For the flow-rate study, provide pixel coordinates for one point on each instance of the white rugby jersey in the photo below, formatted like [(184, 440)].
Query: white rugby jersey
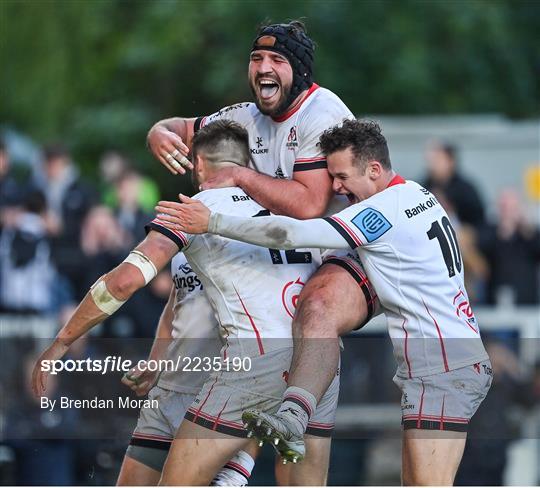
[(287, 144), (253, 290), (194, 330), (411, 256)]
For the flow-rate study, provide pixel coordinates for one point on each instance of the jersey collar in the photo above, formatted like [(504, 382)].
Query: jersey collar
[(396, 180), (286, 115)]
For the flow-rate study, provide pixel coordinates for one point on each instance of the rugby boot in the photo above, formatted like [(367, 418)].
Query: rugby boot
[(279, 430)]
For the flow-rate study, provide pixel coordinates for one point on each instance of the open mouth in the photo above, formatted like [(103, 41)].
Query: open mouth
[(268, 88), (352, 198)]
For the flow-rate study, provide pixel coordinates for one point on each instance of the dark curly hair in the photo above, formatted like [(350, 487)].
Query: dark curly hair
[(365, 139)]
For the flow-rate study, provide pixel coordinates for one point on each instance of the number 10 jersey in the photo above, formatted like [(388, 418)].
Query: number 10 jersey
[(411, 255)]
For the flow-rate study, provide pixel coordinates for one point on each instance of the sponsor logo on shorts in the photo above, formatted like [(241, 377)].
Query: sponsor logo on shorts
[(372, 223), (487, 369), (405, 405)]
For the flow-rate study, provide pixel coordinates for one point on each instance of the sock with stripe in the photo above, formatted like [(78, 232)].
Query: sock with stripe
[(298, 405), (236, 472)]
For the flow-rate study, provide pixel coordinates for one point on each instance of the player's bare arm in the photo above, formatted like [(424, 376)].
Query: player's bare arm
[(169, 140), (278, 232), (304, 197), (106, 296), (142, 381)]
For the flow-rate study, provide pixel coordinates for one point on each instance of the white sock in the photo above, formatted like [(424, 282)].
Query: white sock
[(298, 404), (236, 472)]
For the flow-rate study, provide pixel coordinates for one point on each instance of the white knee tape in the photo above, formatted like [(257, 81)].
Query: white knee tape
[(147, 267), (103, 298)]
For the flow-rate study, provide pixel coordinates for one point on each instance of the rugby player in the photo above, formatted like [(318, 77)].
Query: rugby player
[(288, 176), (253, 297), (409, 250), (187, 329)]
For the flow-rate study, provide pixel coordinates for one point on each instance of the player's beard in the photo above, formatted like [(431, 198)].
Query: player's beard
[(282, 105)]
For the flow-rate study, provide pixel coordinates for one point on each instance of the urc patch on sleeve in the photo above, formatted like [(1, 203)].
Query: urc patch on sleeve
[(372, 223)]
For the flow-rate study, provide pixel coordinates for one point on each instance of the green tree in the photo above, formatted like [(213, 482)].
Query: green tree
[(97, 74)]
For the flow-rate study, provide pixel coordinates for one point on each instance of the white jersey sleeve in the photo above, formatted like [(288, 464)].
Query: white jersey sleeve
[(410, 253), (278, 231)]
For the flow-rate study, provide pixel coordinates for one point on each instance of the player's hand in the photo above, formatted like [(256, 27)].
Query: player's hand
[(190, 216), (140, 381), (224, 178), (169, 149), (39, 377)]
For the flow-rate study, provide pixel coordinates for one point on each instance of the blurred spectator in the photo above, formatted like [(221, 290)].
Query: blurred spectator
[(129, 213), (68, 201), (512, 249), (11, 193), (113, 166), (38, 436), (443, 176), (103, 243), (26, 270), (493, 428), (145, 307)]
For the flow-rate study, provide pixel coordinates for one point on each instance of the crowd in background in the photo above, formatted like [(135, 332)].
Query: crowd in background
[(501, 257), (59, 234)]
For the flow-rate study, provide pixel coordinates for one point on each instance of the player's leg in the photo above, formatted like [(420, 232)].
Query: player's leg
[(431, 459), (135, 473), (212, 430), (238, 469), (313, 470), (197, 454), (152, 438), (333, 302), (336, 299), (436, 413)]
